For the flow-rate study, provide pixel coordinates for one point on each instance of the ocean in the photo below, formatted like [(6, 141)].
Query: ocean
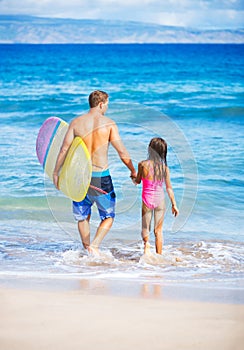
[(191, 95)]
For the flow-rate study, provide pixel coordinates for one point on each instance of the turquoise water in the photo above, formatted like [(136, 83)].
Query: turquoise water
[(192, 95)]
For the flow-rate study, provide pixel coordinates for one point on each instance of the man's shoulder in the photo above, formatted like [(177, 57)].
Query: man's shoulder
[(79, 118), (86, 119), (108, 120)]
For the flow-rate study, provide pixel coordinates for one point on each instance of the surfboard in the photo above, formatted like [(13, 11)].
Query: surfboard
[(75, 174)]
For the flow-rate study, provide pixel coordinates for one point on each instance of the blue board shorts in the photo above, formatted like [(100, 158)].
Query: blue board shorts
[(105, 202)]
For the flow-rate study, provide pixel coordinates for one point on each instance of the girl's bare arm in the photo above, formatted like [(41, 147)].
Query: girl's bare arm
[(169, 189)]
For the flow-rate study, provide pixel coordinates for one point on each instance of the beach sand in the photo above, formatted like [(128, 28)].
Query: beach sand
[(34, 319)]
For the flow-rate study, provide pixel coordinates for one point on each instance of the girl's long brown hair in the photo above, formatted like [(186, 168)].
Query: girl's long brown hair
[(157, 152)]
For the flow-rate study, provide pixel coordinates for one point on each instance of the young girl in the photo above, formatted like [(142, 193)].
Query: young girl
[(153, 172)]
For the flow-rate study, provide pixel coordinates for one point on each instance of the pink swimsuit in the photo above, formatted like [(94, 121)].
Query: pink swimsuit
[(152, 192)]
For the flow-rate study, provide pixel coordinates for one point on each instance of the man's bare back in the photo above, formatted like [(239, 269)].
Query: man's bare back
[(97, 131)]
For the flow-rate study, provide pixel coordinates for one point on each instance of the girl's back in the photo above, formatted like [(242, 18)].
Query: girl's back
[(152, 184)]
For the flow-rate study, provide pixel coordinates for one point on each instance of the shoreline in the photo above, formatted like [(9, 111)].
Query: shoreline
[(40, 319), (196, 291)]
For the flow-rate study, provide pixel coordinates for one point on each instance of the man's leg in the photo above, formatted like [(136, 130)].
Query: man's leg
[(84, 230), (106, 208), (102, 230), (82, 213)]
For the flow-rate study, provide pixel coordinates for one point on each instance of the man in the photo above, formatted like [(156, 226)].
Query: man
[(97, 131)]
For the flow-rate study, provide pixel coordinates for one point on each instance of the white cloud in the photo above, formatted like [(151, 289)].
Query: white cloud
[(200, 13)]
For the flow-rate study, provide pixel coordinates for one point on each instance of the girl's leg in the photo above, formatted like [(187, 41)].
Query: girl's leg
[(158, 228), (146, 224)]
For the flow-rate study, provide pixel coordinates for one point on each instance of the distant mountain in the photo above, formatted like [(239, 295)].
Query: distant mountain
[(39, 30)]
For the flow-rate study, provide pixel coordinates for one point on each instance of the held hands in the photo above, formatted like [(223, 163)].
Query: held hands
[(133, 179), (175, 210), (133, 176)]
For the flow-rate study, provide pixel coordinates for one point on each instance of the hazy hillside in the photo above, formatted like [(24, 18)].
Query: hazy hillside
[(27, 29)]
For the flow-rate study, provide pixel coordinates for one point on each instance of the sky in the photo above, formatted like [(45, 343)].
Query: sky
[(201, 14)]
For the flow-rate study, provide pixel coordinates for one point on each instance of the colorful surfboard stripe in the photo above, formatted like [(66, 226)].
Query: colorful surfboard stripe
[(50, 142)]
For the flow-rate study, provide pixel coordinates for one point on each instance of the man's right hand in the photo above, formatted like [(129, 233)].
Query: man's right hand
[(133, 176)]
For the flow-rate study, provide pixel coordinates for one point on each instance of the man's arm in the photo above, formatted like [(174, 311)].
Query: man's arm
[(69, 137), (120, 148)]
